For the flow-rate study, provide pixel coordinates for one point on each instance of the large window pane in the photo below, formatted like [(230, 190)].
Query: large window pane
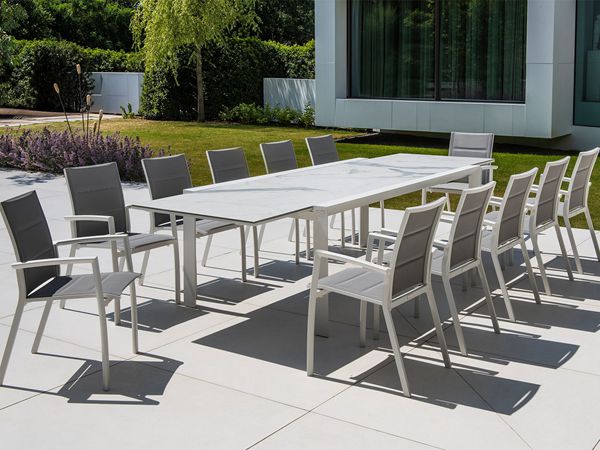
[(587, 64), (483, 49), (392, 48)]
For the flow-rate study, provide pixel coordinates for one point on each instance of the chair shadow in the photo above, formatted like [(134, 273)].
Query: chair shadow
[(31, 178), (589, 265), (156, 316), (286, 271), (434, 384), (225, 290), (132, 382)]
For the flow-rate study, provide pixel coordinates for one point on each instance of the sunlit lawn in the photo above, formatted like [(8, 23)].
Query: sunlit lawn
[(194, 139)]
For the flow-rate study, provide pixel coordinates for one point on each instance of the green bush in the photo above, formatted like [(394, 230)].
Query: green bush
[(233, 74), (37, 65), (251, 114)]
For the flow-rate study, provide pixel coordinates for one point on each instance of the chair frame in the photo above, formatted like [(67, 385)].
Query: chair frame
[(388, 302), (102, 299)]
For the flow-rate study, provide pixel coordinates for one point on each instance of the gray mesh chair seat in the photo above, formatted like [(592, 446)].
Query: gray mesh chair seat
[(40, 280), (78, 286), (99, 208), (407, 277), (575, 201), (168, 176), (470, 145)]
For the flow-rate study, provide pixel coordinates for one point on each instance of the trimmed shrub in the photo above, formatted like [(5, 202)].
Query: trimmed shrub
[(52, 151), (37, 65), (233, 74), (249, 113)]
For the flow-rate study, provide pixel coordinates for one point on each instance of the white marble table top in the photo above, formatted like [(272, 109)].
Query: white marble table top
[(268, 197)]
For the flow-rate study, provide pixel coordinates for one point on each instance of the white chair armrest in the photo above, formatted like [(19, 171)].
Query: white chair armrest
[(53, 262), (440, 244), (93, 239), (110, 220), (323, 254)]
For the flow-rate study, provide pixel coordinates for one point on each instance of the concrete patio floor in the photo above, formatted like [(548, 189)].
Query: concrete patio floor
[(231, 374)]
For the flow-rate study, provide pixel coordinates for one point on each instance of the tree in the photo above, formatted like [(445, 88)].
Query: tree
[(161, 27), (286, 21)]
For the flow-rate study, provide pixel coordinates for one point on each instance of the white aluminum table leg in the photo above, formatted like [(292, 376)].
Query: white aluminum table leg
[(189, 261), (321, 242), (364, 226)]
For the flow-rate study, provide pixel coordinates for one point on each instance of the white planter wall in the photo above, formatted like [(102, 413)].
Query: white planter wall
[(115, 89), (289, 93)]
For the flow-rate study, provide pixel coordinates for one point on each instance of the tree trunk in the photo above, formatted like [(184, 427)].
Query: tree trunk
[(200, 87)]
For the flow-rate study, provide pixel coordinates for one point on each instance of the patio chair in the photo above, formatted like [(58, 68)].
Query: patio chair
[(543, 214), (406, 278), (322, 150), (39, 276), (473, 145), (228, 165), (168, 176), (280, 157), (575, 201), (505, 231), (99, 208)]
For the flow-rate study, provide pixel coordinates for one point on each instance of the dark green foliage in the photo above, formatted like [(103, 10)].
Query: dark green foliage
[(251, 114), (91, 23), (286, 21), (37, 65), (233, 74)]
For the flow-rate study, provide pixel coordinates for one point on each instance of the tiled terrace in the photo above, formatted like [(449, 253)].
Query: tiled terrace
[(231, 373)]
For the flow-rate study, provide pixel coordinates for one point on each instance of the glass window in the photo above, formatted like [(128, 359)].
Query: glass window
[(392, 48), (587, 64), (483, 50), (478, 45)]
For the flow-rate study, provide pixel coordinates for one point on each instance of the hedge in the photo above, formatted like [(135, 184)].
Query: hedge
[(233, 74), (37, 65)]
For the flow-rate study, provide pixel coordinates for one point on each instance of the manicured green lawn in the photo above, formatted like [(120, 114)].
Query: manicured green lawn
[(194, 139)]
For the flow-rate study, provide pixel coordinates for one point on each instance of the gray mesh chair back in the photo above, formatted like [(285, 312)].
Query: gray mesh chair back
[(279, 156), (322, 149), (30, 237), (96, 190), (472, 145), (166, 176), (412, 254), (579, 186), (547, 197), (227, 165), (465, 235), (513, 206)]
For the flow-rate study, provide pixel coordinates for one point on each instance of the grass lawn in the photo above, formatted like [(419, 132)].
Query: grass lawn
[(194, 139)]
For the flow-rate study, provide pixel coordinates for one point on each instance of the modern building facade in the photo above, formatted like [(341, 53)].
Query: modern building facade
[(522, 69)]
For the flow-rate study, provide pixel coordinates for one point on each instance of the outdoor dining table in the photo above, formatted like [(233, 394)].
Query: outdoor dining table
[(313, 193)]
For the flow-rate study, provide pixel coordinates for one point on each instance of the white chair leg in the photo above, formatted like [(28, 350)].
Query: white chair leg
[(563, 250), (177, 271), (423, 196), (343, 229), (209, 240), (144, 267), (69, 271), (389, 322), (256, 250), (121, 264), (454, 313), (243, 252), (308, 256), (261, 235), (540, 262), (536, 293), (502, 283), (117, 311), (588, 219), (353, 218), (104, 344), (10, 342), (438, 327), (363, 323), (332, 221), (573, 245), (134, 319), (41, 327), (291, 232), (448, 204), (310, 332), (382, 208), (488, 298), (376, 321), (296, 225)]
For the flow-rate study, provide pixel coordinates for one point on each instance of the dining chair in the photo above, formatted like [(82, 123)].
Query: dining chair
[(228, 165), (471, 145), (406, 277), (280, 157), (504, 231), (98, 208), (575, 200), (543, 214), (322, 150), (167, 176), (39, 276)]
